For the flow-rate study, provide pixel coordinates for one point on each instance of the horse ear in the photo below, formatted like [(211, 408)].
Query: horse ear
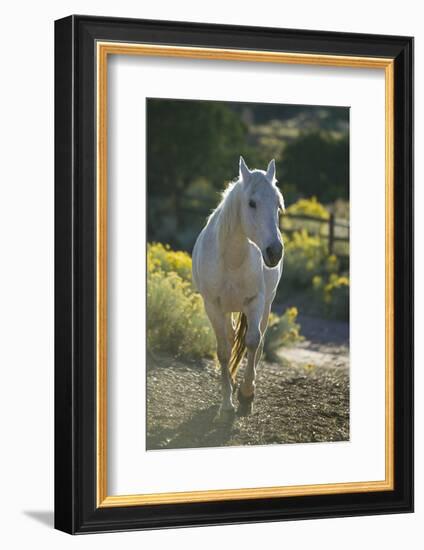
[(270, 171), (243, 169)]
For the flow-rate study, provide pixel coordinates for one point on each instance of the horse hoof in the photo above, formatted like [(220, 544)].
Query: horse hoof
[(245, 404), (225, 416)]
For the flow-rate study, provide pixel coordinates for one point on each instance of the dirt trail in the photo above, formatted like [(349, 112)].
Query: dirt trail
[(304, 397)]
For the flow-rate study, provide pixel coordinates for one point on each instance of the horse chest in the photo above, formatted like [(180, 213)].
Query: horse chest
[(234, 293)]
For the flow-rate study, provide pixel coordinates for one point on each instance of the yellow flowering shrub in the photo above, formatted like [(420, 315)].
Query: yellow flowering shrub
[(176, 320), (309, 207), (333, 293), (282, 331), (310, 270), (306, 256), (162, 257)]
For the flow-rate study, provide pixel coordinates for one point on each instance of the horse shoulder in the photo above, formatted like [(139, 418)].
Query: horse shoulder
[(250, 275), (204, 264)]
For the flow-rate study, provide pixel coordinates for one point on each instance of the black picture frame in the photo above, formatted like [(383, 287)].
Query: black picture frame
[(76, 508)]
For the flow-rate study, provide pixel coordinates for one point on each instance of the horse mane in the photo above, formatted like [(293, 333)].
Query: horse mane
[(226, 214), (280, 198)]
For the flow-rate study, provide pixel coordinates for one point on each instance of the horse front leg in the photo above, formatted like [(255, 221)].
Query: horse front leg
[(263, 326), (221, 324), (254, 314)]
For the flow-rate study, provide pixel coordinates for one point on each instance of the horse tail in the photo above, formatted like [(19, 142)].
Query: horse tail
[(239, 346)]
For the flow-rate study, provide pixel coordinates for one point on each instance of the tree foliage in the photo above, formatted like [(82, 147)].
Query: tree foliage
[(188, 139), (317, 164)]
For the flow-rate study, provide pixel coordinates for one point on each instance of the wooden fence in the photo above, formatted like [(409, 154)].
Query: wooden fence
[(331, 234)]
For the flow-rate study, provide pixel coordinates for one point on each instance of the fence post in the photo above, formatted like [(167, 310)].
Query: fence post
[(331, 234)]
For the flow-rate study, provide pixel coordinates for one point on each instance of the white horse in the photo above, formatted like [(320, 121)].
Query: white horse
[(237, 264)]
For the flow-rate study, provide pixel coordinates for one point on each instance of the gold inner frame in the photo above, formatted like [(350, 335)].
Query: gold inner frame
[(104, 49)]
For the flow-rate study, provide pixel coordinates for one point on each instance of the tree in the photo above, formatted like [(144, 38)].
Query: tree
[(317, 164), (187, 140)]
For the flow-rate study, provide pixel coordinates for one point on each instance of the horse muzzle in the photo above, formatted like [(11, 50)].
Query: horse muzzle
[(273, 254)]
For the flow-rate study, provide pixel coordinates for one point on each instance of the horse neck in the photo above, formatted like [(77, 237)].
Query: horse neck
[(232, 241)]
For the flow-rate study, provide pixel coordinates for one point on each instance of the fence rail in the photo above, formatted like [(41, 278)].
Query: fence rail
[(332, 223)]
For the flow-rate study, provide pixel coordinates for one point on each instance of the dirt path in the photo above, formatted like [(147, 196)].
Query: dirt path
[(302, 398)]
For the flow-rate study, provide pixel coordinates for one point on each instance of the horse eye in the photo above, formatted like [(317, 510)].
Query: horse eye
[(252, 204)]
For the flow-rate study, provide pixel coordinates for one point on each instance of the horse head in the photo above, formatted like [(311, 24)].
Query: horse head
[(261, 203)]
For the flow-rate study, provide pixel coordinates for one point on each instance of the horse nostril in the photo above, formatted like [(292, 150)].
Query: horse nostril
[(269, 253), (274, 253)]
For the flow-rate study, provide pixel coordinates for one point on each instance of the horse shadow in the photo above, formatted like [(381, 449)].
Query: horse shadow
[(200, 430)]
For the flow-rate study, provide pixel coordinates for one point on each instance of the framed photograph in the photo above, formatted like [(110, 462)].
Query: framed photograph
[(234, 268)]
